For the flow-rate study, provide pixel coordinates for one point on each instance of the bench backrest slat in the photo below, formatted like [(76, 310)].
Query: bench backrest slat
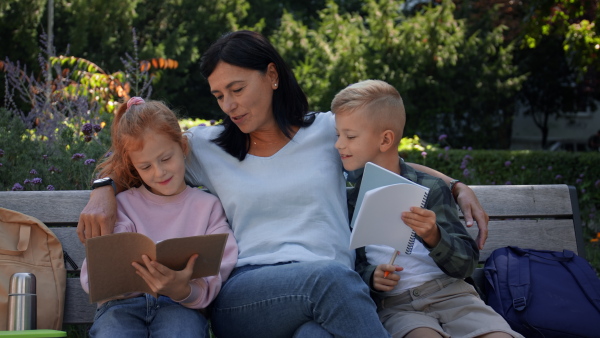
[(525, 200)]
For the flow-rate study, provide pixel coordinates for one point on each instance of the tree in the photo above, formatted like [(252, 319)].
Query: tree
[(451, 82)]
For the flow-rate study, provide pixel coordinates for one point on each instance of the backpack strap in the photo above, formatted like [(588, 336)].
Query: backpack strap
[(22, 243), (518, 279)]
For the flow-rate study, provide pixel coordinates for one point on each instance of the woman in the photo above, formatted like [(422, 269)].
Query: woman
[(279, 177)]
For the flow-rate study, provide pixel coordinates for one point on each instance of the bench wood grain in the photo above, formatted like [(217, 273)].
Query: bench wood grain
[(542, 217)]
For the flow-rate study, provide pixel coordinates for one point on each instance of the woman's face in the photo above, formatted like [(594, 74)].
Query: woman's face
[(245, 95)]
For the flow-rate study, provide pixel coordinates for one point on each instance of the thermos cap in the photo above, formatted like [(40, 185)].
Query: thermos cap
[(22, 283)]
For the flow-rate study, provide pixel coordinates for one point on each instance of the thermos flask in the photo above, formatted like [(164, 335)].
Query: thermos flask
[(22, 302)]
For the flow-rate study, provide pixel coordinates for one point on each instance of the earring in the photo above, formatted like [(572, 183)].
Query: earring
[(275, 85)]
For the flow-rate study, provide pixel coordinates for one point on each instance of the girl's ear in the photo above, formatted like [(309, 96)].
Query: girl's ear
[(387, 140), (273, 75)]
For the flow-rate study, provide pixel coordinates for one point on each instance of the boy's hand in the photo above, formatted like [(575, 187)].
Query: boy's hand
[(388, 283), (164, 281), (422, 221), (472, 209)]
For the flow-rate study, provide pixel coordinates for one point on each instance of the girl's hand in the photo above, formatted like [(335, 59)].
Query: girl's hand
[(422, 221), (381, 283), (164, 281)]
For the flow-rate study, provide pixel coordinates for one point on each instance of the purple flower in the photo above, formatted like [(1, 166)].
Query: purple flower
[(202, 124), (36, 180), (77, 156), (27, 181), (33, 172), (0, 164), (578, 181), (212, 122), (17, 187), (597, 184), (97, 128), (89, 161), (108, 154), (581, 175), (1, 152), (442, 137), (549, 167), (523, 167), (446, 148), (469, 148), (45, 157), (424, 154), (558, 177), (508, 183), (54, 169), (50, 187), (583, 190), (507, 164), (87, 138), (467, 157), (87, 129), (466, 173)]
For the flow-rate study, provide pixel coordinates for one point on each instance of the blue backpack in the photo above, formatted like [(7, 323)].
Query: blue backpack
[(544, 293)]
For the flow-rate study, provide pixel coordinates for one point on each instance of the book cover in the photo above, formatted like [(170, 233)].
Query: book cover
[(109, 258), (382, 198)]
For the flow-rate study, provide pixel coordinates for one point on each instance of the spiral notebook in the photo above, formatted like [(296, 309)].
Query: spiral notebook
[(382, 198)]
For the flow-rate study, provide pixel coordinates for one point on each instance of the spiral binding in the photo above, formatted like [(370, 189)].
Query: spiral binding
[(411, 243), (411, 240)]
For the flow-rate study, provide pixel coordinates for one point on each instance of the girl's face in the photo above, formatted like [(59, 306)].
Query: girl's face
[(245, 95), (160, 163)]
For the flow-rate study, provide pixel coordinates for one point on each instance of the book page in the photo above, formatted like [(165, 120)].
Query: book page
[(109, 259), (379, 218), (375, 176), (174, 253)]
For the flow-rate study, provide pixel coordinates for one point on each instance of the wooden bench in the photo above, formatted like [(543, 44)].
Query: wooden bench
[(529, 216)]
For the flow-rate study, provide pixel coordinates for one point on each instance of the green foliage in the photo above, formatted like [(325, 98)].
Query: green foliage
[(579, 169), (457, 83)]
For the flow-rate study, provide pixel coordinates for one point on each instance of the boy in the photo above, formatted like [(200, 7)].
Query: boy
[(425, 294)]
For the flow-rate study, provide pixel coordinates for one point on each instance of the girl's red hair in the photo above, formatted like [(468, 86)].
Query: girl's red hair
[(127, 128)]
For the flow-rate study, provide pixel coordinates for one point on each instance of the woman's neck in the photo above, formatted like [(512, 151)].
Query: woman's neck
[(266, 143)]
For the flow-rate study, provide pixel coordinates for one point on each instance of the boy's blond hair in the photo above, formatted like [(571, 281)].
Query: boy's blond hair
[(380, 100)]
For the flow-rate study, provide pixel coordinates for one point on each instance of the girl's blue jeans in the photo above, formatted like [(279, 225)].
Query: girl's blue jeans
[(306, 299), (146, 316)]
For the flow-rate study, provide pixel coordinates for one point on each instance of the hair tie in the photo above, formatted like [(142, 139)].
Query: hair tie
[(134, 101)]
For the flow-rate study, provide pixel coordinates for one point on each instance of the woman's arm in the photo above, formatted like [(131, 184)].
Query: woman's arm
[(466, 200), (99, 215)]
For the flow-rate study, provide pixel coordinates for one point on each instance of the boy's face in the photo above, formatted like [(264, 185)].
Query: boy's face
[(358, 142)]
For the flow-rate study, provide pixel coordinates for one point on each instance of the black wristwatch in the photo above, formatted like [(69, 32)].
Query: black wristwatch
[(101, 182)]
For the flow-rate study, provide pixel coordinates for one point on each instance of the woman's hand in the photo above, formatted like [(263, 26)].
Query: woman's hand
[(99, 215), (164, 281), (471, 209)]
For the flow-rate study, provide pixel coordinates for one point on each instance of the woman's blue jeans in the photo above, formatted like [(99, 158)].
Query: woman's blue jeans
[(146, 316), (306, 299)]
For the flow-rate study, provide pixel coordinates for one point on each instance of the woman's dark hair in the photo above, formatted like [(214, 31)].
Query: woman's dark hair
[(251, 50)]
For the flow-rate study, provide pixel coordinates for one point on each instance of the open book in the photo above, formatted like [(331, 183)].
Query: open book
[(382, 198), (109, 259)]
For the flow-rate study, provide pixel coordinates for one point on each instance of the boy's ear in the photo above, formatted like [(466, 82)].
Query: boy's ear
[(387, 140)]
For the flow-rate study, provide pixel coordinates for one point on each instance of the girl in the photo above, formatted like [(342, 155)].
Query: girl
[(148, 158)]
